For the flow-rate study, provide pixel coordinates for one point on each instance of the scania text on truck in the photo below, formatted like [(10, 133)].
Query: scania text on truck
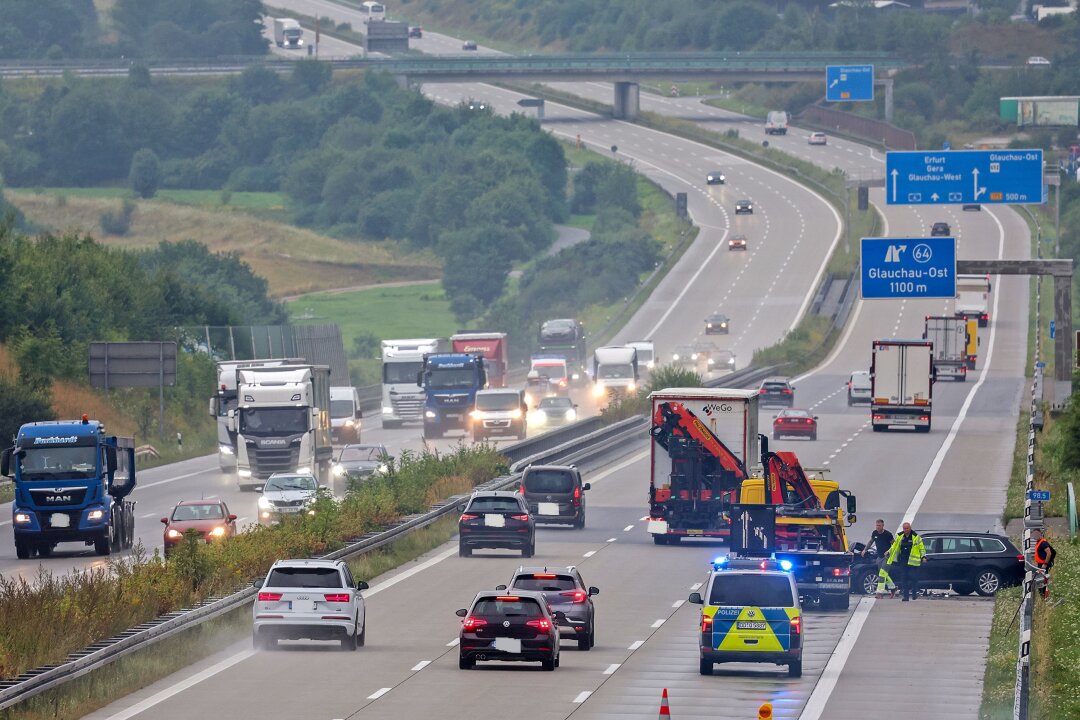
[(615, 372), (566, 337), (703, 439), (402, 396), (224, 400), (901, 384), (489, 345), (973, 298), (450, 382), (950, 338), (282, 422), (71, 481), (345, 414), (288, 33)]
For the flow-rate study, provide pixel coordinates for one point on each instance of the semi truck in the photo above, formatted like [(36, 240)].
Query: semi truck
[(402, 396), (224, 400), (973, 298), (450, 382), (71, 485), (566, 337), (345, 414), (615, 371), (901, 384), (950, 338), (288, 33), (282, 422), (492, 347)]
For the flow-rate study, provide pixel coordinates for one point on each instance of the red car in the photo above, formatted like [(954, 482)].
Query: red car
[(794, 422), (210, 518)]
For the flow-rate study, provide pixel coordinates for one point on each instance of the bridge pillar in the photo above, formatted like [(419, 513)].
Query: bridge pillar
[(1063, 339), (888, 100), (627, 100)]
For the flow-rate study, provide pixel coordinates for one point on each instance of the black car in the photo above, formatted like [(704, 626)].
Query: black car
[(416, 32), (715, 177), (510, 627), (717, 324), (566, 593), (940, 229), (555, 494), (468, 45), (496, 519), (776, 391), (744, 206), (967, 562)]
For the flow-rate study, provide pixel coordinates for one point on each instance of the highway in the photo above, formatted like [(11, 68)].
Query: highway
[(923, 659)]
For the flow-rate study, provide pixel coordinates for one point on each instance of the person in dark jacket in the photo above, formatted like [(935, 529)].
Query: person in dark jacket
[(906, 557)]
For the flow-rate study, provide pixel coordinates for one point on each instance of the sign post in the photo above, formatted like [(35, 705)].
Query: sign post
[(941, 177), (909, 267), (849, 83)]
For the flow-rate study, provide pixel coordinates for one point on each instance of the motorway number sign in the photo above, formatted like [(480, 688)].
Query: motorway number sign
[(849, 83), (941, 177), (908, 268)]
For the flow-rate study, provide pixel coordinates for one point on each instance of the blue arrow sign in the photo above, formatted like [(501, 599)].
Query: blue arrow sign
[(1039, 495), (909, 267), (849, 83), (941, 177)]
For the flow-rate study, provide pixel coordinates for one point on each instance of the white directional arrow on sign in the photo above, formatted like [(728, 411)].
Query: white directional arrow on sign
[(978, 190), (935, 197), (894, 174)]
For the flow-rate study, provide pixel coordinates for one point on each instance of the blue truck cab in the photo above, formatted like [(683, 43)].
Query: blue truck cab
[(450, 382), (71, 481)]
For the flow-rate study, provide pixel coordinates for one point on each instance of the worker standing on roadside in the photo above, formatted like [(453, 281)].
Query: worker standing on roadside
[(906, 557), (1044, 558), (881, 539)]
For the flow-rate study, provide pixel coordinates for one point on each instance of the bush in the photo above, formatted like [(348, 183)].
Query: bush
[(118, 222), (144, 177)]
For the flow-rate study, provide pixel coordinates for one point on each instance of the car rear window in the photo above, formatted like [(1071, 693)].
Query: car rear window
[(757, 590), (520, 607), (544, 584), (549, 481), (304, 577), (775, 386), (494, 505)]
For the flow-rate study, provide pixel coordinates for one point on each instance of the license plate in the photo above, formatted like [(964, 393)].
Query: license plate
[(453, 416), (493, 520), (60, 520), (694, 532), (549, 508), (508, 645), (817, 579), (303, 606), (747, 625)]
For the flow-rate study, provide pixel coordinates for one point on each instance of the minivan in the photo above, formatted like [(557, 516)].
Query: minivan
[(555, 494), (499, 412)]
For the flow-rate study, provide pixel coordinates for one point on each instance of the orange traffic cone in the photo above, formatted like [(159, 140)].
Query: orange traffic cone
[(665, 711)]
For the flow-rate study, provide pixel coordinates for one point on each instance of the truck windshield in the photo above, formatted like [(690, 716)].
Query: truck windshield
[(342, 409), (452, 378), (401, 373), (644, 355), (615, 371), (50, 462), (553, 372), (274, 421)]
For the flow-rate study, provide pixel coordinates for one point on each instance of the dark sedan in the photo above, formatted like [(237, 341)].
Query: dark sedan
[(496, 519), (509, 627), (566, 593)]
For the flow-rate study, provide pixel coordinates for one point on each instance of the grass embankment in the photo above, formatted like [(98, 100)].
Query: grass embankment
[(136, 671), (293, 260), (42, 622)]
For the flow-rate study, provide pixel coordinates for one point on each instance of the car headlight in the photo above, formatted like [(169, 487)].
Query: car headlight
[(226, 450), (95, 514), (516, 413), (311, 512), (350, 423), (219, 531), (243, 473), (304, 469), (571, 414), (540, 417), (598, 389), (174, 534), (529, 399), (265, 515), (22, 518), (650, 364), (339, 470), (430, 414), (575, 376), (675, 356), (712, 361), (264, 504), (694, 356), (476, 415), (388, 410), (382, 469), (631, 386), (723, 325)]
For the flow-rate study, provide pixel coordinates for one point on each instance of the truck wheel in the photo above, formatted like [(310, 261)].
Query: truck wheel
[(102, 546), (22, 549), (464, 551), (44, 550), (794, 668)]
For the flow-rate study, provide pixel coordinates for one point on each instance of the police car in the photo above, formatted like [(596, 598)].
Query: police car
[(750, 613)]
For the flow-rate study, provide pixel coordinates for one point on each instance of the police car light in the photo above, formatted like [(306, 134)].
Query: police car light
[(785, 565), (720, 561)]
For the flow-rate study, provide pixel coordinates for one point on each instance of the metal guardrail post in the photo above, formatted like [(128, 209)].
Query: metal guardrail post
[(1072, 511)]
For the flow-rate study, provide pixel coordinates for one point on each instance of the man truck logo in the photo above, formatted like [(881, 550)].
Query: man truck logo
[(57, 498), (55, 440)]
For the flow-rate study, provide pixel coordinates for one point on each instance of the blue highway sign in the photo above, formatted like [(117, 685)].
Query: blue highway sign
[(849, 83), (1039, 495), (941, 177), (909, 267)]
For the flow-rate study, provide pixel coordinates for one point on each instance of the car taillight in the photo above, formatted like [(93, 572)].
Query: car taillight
[(467, 517), (472, 623), (984, 316), (706, 623), (337, 597), (1020, 558), (924, 418), (879, 417), (577, 493), (543, 625), (841, 572), (579, 596), (522, 518), (544, 576), (269, 597), (796, 626), (787, 391), (762, 391)]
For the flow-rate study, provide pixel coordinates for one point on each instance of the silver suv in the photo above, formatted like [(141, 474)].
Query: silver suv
[(309, 600)]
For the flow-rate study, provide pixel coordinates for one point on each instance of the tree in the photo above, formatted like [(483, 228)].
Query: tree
[(311, 75), (145, 175)]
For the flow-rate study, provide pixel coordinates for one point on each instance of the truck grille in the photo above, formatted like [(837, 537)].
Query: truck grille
[(407, 407), (57, 497), (267, 461), (287, 503)]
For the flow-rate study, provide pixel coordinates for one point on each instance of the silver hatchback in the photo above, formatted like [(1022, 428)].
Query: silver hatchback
[(309, 600)]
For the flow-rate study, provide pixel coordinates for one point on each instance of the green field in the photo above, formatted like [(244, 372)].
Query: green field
[(393, 312), (202, 198)]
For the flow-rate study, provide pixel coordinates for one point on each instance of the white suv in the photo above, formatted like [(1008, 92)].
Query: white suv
[(309, 600)]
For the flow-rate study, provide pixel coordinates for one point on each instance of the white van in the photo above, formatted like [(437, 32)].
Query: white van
[(858, 387), (345, 414)]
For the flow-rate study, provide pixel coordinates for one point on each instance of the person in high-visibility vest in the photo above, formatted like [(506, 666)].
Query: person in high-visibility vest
[(906, 557), (884, 583), (1044, 558)]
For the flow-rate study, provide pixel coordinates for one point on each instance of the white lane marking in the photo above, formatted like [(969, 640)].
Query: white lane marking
[(181, 686), (695, 586), (593, 479), (590, 553), (645, 518), (690, 284), (612, 668), (658, 623), (453, 643), (677, 603), (421, 665), (582, 696), (611, 539), (178, 477), (378, 693), (636, 644), (628, 528), (147, 515), (815, 706), (410, 572)]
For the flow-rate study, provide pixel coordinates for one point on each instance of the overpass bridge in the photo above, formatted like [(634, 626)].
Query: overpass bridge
[(624, 70)]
